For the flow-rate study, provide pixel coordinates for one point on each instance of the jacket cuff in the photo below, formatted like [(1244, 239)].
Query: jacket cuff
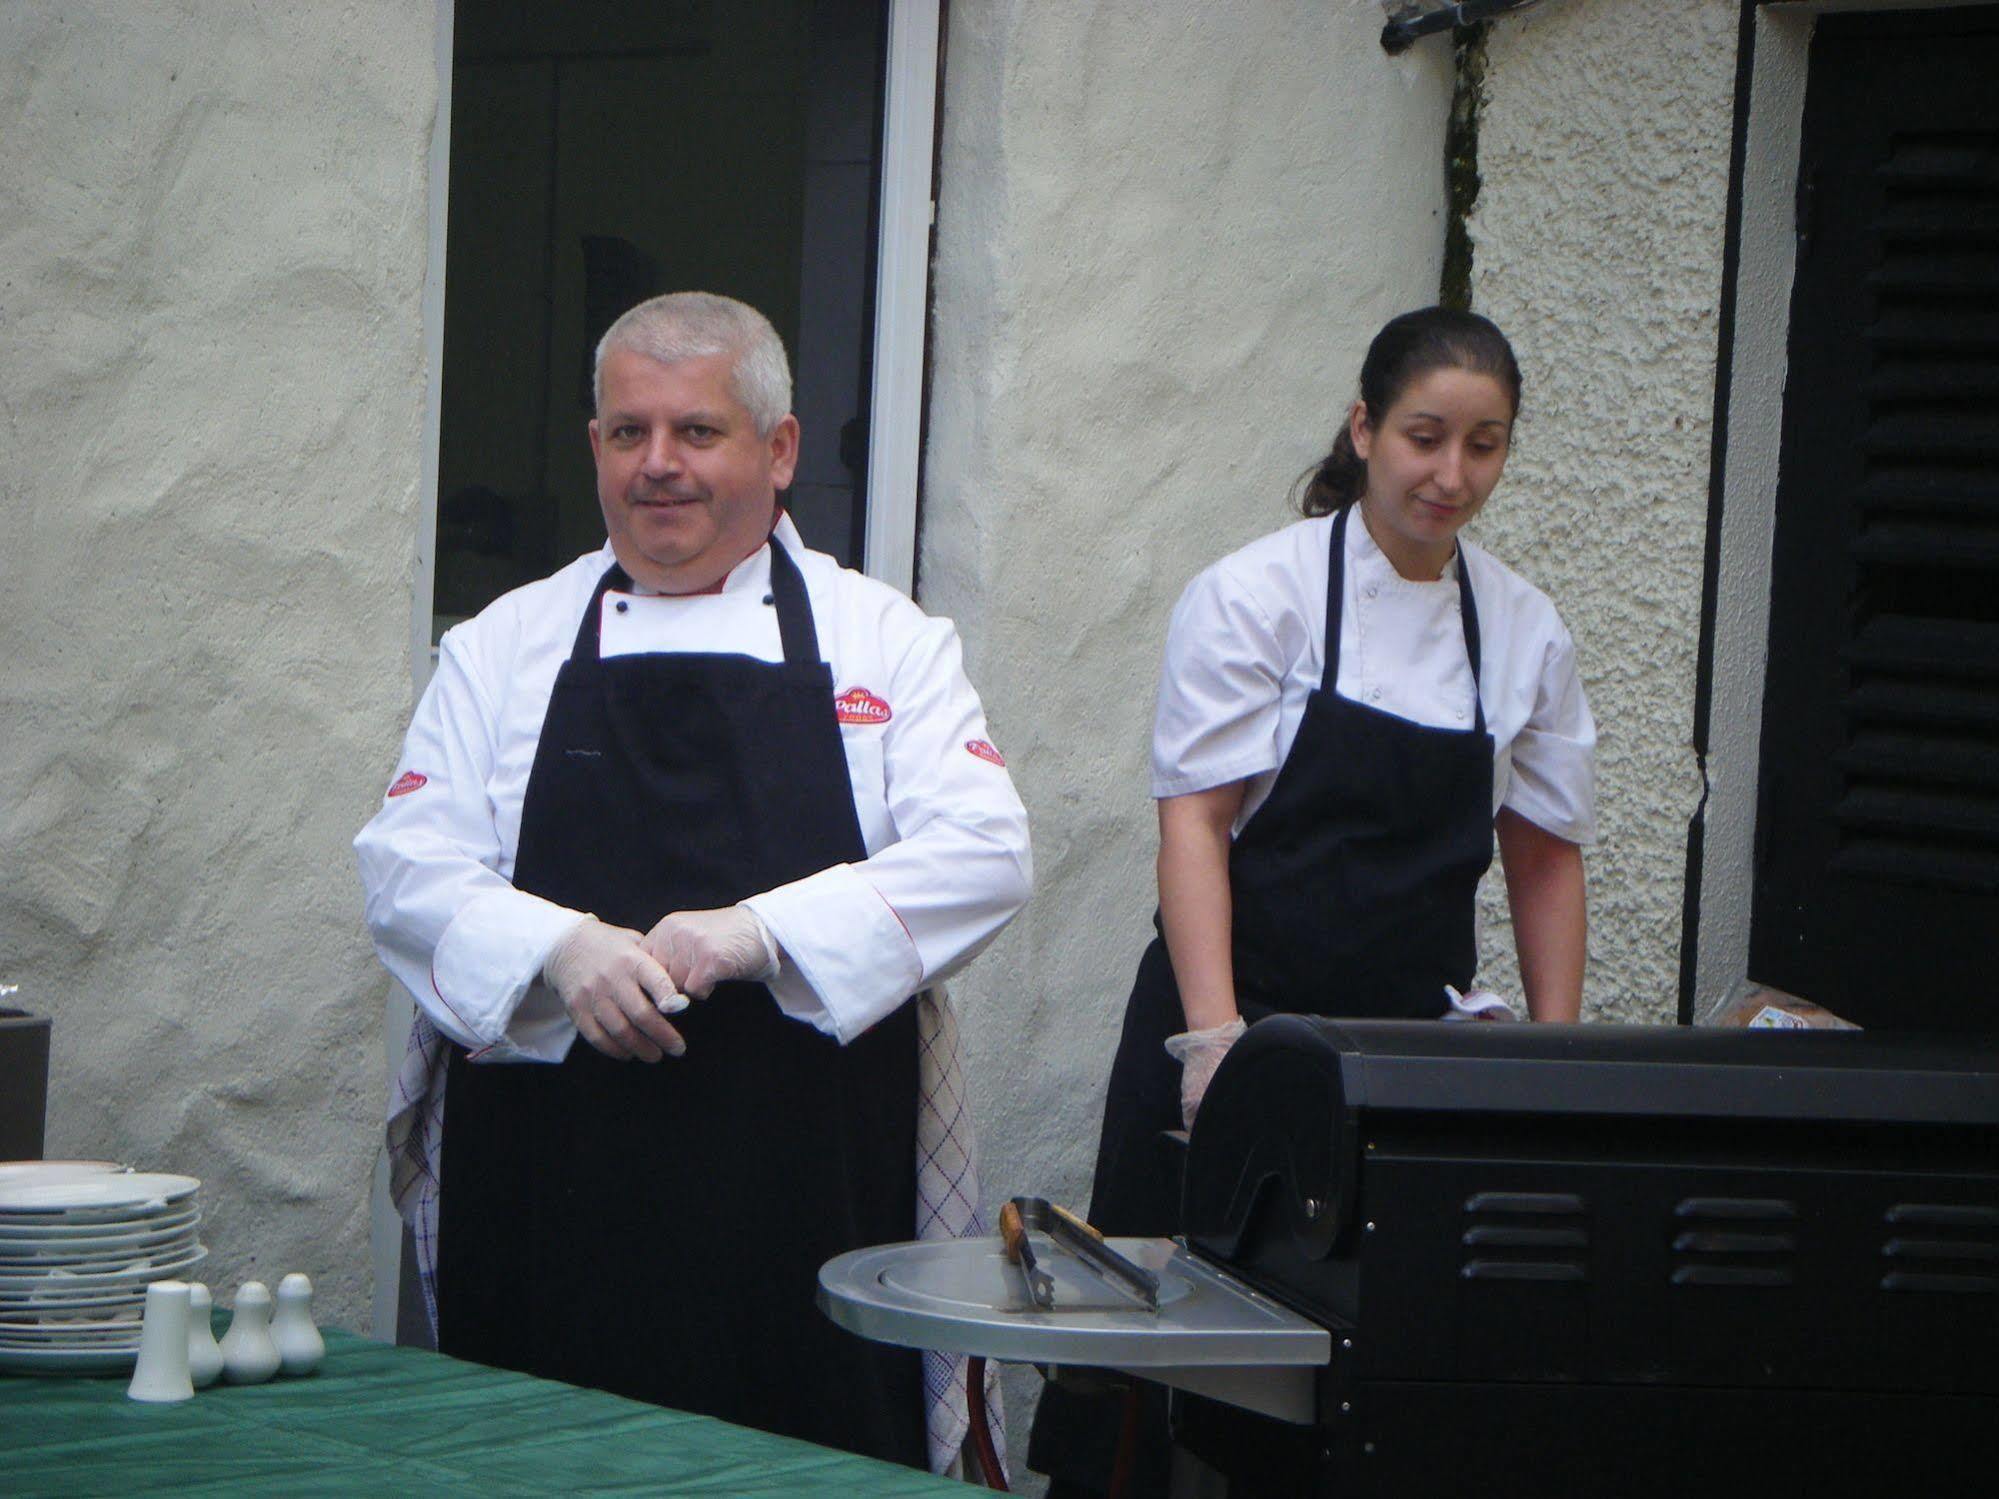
[(490, 956), (540, 1030), (848, 960)]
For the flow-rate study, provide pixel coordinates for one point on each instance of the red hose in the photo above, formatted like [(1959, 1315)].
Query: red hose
[(982, 1436)]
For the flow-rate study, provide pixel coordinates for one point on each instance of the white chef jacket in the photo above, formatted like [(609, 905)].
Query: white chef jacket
[(1246, 649), (948, 863)]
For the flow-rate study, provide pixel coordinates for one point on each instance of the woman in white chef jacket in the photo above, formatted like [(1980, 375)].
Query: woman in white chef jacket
[(1350, 709)]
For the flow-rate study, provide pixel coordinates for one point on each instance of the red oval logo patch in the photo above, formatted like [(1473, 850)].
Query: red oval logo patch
[(407, 782), (858, 705), (986, 752)]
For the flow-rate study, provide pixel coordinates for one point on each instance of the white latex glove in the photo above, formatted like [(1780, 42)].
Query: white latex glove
[(615, 991), (1476, 1004), (1199, 1053), (700, 949)]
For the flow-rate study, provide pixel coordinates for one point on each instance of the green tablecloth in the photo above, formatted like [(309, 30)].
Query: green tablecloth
[(383, 1420)]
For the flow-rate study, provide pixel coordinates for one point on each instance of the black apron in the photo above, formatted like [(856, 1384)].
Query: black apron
[(1353, 888), (657, 1230)]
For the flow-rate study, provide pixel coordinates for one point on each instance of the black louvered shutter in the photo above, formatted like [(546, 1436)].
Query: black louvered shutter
[(1877, 839)]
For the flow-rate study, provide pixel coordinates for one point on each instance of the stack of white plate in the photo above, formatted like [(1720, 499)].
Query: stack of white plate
[(79, 1241)]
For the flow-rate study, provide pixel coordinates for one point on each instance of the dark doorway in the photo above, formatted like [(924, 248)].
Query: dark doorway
[(606, 150), (1877, 829)]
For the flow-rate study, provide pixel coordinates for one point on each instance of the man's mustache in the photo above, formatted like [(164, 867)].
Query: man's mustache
[(645, 492)]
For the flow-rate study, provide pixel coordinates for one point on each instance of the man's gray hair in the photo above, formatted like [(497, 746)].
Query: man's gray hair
[(697, 324)]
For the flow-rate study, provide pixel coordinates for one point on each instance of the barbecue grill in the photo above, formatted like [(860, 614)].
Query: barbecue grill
[(1618, 1259), (1544, 1259)]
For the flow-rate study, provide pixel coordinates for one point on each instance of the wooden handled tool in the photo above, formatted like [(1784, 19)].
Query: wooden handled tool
[(1088, 1245), (1020, 1250), (1074, 1222)]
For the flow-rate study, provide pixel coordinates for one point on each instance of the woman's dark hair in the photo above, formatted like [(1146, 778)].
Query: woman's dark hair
[(1406, 349)]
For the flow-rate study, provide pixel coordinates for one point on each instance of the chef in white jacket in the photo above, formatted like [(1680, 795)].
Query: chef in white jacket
[(721, 808)]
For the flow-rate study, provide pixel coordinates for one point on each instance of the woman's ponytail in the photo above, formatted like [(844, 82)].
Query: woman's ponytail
[(1337, 482)]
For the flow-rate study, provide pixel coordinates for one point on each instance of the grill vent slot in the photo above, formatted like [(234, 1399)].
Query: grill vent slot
[(1749, 1242), (1945, 1247), (1533, 1236)]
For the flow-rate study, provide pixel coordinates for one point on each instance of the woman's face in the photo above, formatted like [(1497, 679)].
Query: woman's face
[(1431, 462)]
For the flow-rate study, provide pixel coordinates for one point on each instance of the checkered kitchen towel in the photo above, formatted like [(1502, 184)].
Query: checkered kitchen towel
[(947, 1188), (947, 1207), (415, 1138)]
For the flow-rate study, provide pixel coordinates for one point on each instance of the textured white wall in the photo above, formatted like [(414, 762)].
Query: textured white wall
[(1166, 232), (211, 259), (1598, 234)]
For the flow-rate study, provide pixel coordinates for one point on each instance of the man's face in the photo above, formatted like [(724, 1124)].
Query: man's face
[(688, 487)]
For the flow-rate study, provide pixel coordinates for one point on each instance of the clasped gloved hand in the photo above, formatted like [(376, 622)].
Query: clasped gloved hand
[(1199, 1053), (700, 949), (617, 993)]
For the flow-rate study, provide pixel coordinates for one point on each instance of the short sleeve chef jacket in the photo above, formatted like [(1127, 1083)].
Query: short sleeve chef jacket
[(1246, 647), (948, 861)]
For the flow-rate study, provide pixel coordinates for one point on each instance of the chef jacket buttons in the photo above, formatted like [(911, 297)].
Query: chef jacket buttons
[(770, 598), (623, 606), (1373, 589), (1375, 695)]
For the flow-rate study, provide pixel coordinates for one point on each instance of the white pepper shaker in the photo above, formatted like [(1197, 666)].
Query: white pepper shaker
[(300, 1347), (204, 1354), (249, 1356)]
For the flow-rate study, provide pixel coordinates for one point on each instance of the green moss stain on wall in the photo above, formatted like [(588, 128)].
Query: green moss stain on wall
[(1461, 163)]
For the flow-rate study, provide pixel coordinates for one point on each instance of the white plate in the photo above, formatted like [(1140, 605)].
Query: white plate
[(62, 1324), (76, 1336), (127, 1303), (82, 1344), (42, 1173), (18, 1238), (97, 1220), (67, 1360), (25, 1275), (55, 1284), (19, 1303), (20, 1259), (125, 1192), (103, 1275), (117, 1337)]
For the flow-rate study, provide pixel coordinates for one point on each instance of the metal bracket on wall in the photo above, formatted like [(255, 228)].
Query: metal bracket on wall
[(1411, 20)]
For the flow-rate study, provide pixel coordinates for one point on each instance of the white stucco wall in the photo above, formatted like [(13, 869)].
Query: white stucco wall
[(212, 251), (1166, 233), (1598, 235)]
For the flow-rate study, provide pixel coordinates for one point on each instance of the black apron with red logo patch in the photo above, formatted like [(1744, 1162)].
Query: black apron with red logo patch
[(1353, 888), (657, 1230)]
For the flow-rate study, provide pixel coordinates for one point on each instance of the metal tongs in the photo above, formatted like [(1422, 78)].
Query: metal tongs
[(1077, 1237)]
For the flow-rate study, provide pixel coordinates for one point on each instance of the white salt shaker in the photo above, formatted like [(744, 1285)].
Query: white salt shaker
[(204, 1354), (161, 1376), (249, 1356), (300, 1347)]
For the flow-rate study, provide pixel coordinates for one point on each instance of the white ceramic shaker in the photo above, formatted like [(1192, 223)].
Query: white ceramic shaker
[(160, 1376), (204, 1354), (249, 1356), (300, 1347)]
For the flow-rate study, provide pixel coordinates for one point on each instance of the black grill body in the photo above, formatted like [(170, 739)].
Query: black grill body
[(1620, 1259)]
